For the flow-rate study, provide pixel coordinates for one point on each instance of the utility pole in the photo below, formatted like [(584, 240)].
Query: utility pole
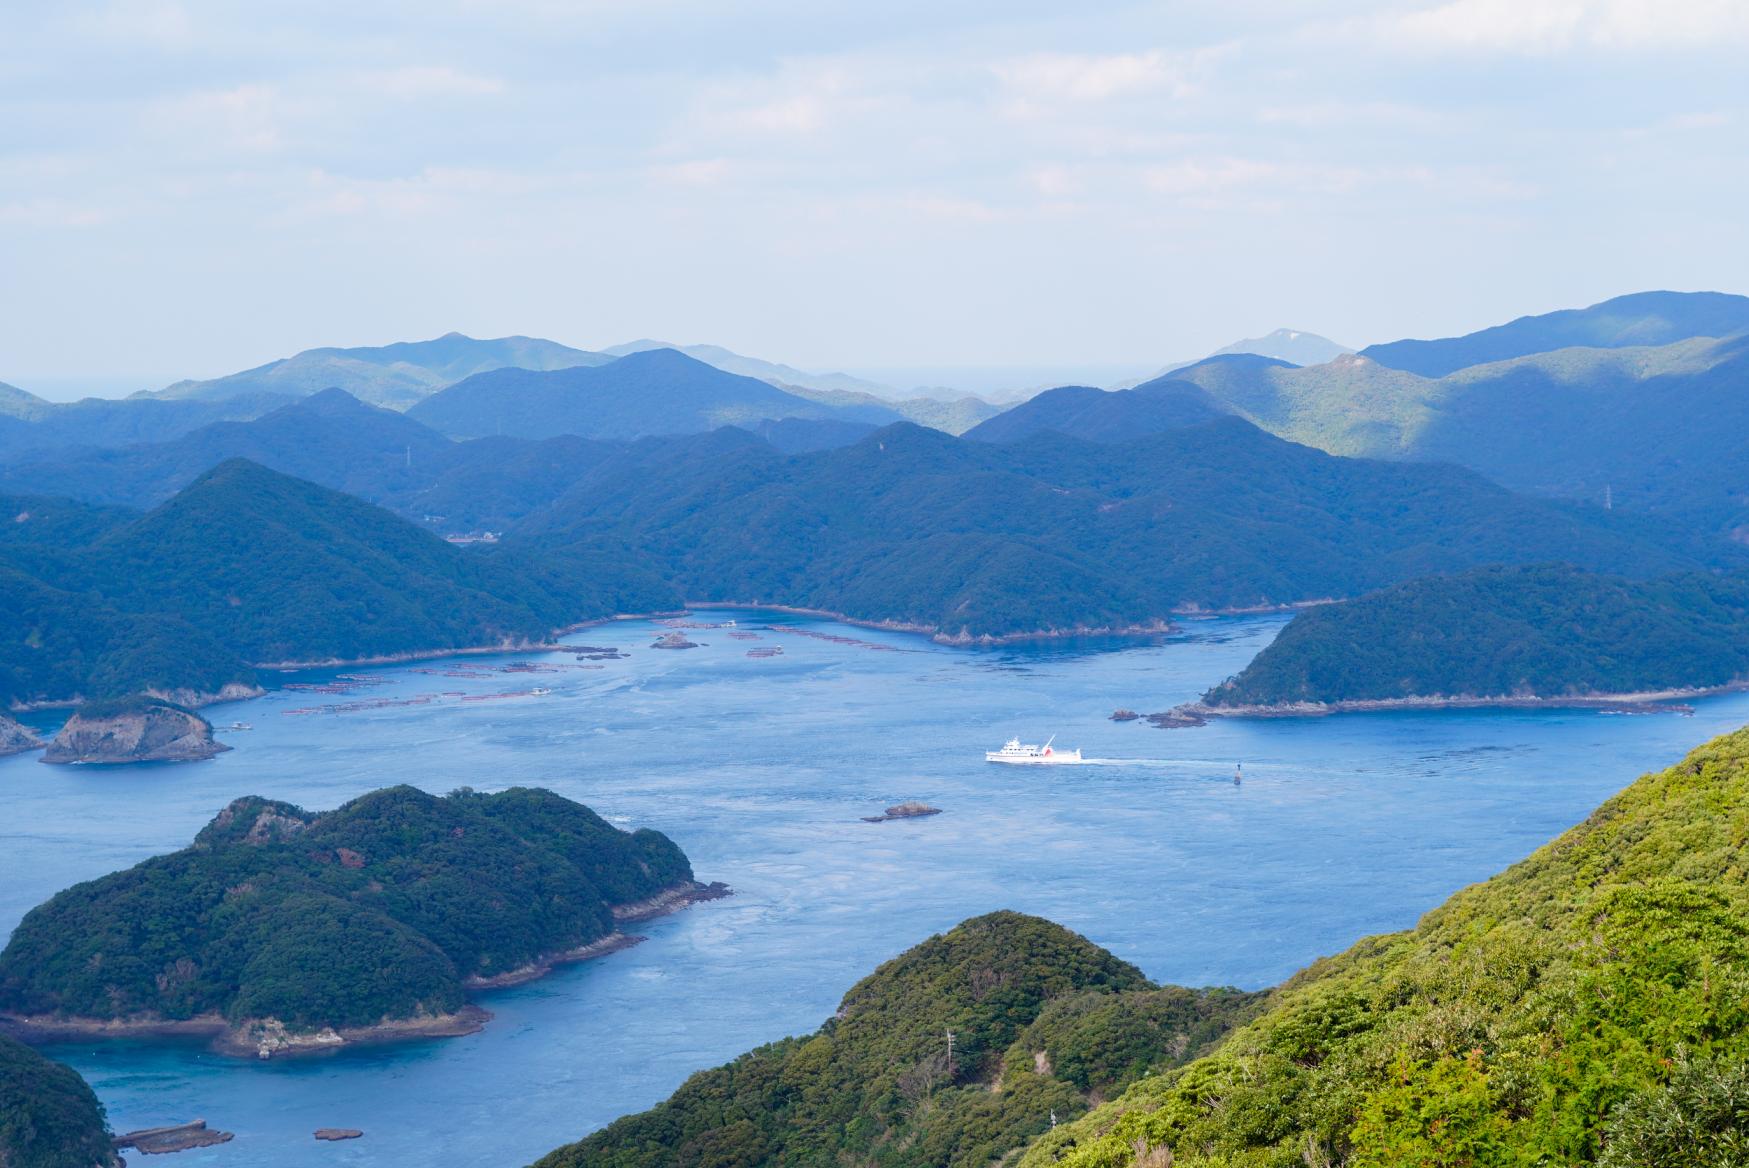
[(1053, 1119), (1608, 497), (950, 1054)]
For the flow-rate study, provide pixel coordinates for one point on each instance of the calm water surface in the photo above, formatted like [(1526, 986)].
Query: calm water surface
[(760, 769)]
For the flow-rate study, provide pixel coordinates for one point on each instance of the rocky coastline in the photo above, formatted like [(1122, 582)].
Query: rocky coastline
[(16, 738), (262, 1038), (1671, 701)]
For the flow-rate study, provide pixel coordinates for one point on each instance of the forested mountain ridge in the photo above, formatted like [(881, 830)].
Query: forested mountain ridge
[(385, 910), (1585, 1006), (249, 566), (1043, 1021), (1544, 631), (1097, 415), (972, 539)]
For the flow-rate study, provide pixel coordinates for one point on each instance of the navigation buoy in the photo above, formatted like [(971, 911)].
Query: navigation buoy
[(1238, 773)]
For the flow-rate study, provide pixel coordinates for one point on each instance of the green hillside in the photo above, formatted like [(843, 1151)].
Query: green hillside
[(378, 910), (1642, 318), (1659, 428), (1547, 631), (973, 539), (48, 1116), (1588, 1005), (1042, 1020)]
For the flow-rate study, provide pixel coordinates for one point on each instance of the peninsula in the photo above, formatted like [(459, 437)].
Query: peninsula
[(281, 930), (1536, 636)]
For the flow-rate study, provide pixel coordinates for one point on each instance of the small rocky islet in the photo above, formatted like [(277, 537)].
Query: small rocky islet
[(907, 810), (131, 730)]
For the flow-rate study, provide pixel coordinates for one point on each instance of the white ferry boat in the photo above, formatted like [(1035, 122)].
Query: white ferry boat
[(1016, 751)]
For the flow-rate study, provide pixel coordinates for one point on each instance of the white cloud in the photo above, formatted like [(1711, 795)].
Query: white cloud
[(242, 119), (1055, 77), (1551, 26), (412, 82)]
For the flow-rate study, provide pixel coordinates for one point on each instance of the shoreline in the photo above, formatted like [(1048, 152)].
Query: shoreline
[(267, 1038), (257, 1038), (1665, 701), (670, 900), (238, 692), (1156, 627)]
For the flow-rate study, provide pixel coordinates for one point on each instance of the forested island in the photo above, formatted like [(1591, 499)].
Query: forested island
[(1541, 634), (1585, 1006), (48, 1116), (1043, 1021), (280, 929)]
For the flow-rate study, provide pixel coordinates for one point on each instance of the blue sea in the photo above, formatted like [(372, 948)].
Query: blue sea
[(761, 769)]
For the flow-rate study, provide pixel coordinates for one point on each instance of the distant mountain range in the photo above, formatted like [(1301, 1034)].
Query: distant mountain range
[(1300, 348), (773, 372), (391, 375), (657, 391)]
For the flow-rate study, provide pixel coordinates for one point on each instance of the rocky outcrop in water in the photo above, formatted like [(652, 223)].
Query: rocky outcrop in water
[(134, 730), (178, 1138), (15, 739), (910, 810)]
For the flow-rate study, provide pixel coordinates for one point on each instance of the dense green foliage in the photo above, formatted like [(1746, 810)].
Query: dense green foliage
[(1525, 1022), (48, 1116), (1643, 318), (1546, 631), (1041, 1018), (56, 645), (1097, 415), (911, 525), (657, 391), (250, 566), (378, 910)]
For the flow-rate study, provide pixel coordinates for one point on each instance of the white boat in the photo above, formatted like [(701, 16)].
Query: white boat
[(538, 692), (1016, 751)]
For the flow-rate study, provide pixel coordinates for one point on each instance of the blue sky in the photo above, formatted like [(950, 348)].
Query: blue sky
[(192, 187)]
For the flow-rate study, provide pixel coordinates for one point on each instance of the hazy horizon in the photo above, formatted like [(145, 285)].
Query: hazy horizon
[(193, 189)]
